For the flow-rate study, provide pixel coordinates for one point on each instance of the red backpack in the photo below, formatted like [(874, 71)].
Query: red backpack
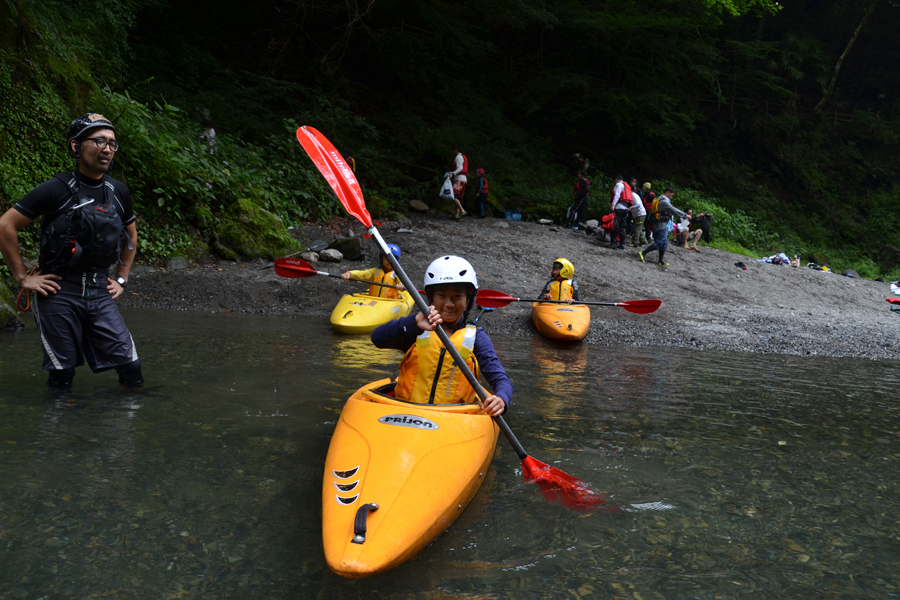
[(627, 196)]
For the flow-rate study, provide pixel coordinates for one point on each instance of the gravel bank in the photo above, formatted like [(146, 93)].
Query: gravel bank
[(708, 303)]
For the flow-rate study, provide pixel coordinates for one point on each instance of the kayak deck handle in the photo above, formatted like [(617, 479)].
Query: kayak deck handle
[(359, 525)]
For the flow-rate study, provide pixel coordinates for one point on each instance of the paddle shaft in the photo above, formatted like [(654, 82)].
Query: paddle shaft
[(564, 302), (387, 285), (445, 339)]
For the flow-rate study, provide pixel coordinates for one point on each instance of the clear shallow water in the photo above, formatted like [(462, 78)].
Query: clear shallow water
[(737, 475)]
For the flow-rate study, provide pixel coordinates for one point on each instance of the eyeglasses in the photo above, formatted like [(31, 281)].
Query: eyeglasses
[(103, 143)]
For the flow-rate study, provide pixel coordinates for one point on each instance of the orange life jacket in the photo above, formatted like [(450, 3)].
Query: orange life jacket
[(561, 290), (429, 375), (379, 290)]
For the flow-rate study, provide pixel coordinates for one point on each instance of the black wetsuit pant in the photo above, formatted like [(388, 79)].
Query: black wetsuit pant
[(81, 322)]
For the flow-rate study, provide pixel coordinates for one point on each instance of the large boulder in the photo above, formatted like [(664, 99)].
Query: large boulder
[(349, 247), (418, 206), (250, 231), (330, 255)]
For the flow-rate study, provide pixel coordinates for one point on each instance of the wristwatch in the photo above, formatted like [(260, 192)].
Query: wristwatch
[(121, 281)]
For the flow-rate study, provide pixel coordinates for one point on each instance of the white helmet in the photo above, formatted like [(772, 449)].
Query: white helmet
[(450, 269)]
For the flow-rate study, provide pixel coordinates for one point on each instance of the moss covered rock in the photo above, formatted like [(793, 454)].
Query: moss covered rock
[(250, 231), (9, 318), (376, 206)]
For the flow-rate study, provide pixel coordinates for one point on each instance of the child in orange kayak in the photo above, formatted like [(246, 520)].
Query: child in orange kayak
[(561, 286), (427, 374), (380, 275)]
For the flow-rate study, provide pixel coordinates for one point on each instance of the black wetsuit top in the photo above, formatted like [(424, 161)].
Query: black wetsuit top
[(53, 197)]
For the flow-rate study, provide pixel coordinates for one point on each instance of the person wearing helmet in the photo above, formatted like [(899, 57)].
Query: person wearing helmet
[(427, 374), (562, 285), (380, 275), (87, 226)]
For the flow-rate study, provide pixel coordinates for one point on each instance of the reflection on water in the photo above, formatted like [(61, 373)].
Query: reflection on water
[(738, 475)]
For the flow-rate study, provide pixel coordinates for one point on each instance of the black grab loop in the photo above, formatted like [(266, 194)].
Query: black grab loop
[(359, 526)]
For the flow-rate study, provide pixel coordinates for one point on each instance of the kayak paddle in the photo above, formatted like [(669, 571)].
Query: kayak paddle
[(294, 268), (555, 484), (495, 299)]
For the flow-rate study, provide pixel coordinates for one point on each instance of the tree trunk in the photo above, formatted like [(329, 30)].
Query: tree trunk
[(837, 67)]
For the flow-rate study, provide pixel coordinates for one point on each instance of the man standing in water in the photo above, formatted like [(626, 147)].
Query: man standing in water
[(87, 225)]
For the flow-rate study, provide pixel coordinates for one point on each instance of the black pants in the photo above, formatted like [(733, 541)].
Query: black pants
[(620, 224), (578, 212)]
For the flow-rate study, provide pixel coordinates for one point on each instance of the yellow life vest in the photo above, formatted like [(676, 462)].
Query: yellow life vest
[(429, 375), (379, 290), (561, 290)]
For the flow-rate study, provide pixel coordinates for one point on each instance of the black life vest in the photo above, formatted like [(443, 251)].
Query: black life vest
[(87, 236)]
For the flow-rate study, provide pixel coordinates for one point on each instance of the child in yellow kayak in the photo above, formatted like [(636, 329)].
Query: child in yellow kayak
[(561, 286), (379, 275), (427, 374)]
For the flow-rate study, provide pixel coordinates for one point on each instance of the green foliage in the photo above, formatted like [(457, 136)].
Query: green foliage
[(709, 94), (158, 243)]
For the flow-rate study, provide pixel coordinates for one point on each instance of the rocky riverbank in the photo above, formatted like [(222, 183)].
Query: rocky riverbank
[(708, 303)]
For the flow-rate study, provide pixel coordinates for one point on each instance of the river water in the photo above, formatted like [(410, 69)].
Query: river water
[(735, 475)]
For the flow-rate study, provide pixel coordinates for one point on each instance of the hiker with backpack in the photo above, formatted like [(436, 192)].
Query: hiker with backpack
[(461, 169), (661, 211), (578, 212), (647, 199), (620, 203)]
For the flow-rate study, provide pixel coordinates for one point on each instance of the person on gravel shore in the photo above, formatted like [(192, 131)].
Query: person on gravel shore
[(686, 237), (661, 210), (74, 297), (482, 189), (562, 285), (380, 275), (638, 214), (647, 199), (459, 172), (578, 212), (620, 203)]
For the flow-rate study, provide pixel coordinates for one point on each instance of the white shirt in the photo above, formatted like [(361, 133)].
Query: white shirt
[(457, 174), (617, 196), (637, 209)]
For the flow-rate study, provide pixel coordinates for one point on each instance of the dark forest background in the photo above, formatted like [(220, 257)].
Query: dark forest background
[(781, 119)]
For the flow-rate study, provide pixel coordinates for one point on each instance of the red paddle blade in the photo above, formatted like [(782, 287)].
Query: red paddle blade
[(336, 171), (293, 267), (493, 299), (559, 486), (642, 307)]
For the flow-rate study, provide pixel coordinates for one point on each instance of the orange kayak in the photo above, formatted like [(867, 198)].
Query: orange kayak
[(561, 321), (397, 475)]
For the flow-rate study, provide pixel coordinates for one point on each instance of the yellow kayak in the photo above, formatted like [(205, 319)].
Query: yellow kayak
[(568, 322), (397, 475), (362, 313)]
